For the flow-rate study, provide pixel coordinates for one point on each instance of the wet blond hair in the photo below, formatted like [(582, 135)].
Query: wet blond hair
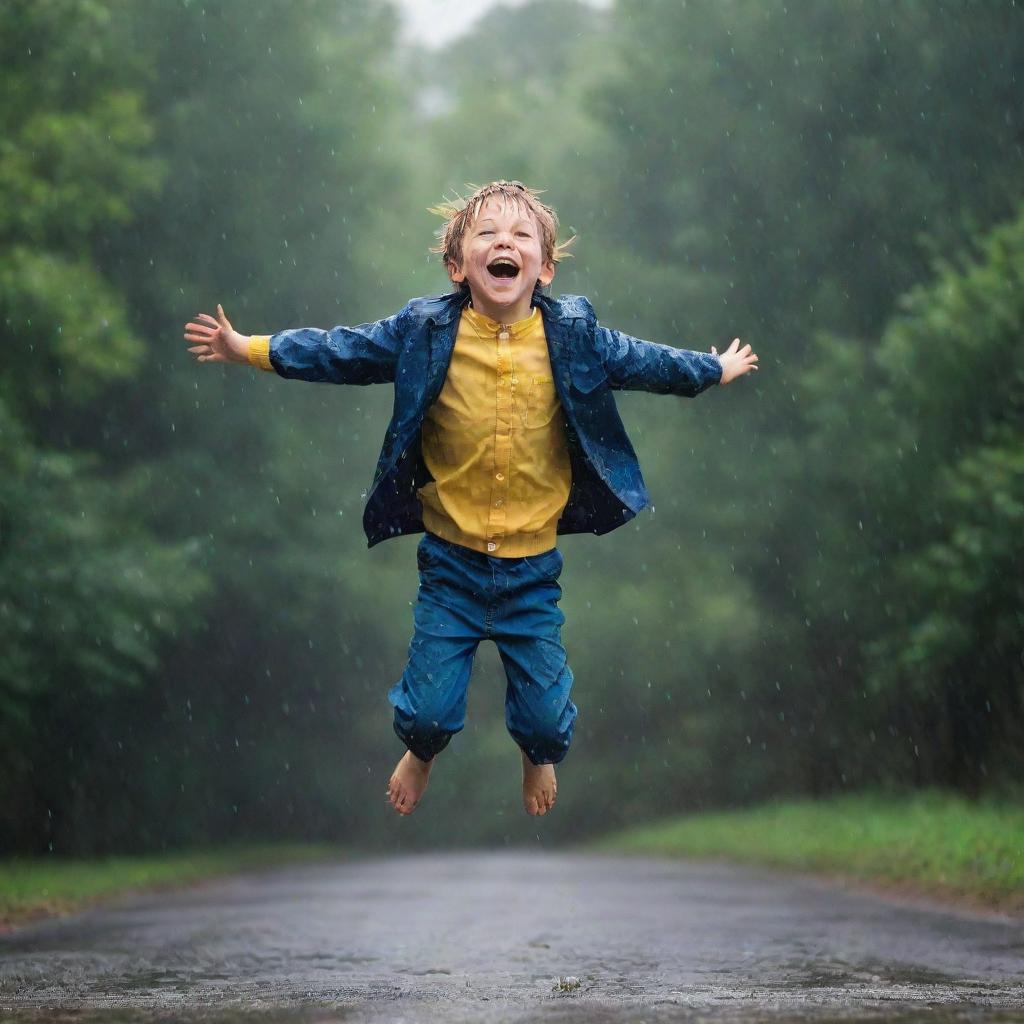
[(459, 213)]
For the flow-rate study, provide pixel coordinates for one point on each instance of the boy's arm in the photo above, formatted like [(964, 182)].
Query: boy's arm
[(634, 364), (366, 354)]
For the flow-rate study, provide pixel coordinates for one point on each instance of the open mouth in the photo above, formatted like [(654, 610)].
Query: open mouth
[(502, 267)]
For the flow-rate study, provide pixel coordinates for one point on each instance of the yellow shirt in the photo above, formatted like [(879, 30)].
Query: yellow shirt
[(494, 442), (259, 352)]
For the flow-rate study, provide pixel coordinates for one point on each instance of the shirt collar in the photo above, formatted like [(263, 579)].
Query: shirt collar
[(485, 325)]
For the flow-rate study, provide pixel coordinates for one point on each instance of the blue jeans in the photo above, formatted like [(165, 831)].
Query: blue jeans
[(466, 597)]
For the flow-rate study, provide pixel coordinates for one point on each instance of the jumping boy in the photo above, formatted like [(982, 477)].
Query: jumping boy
[(504, 435)]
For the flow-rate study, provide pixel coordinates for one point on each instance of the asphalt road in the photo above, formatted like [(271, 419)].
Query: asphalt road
[(516, 936)]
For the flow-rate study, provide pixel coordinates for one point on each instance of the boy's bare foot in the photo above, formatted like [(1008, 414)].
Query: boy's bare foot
[(539, 787), (407, 782)]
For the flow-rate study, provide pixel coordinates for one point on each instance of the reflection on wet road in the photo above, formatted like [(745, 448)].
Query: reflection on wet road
[(515, 937)]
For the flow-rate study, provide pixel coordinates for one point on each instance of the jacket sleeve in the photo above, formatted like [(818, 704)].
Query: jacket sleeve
[(366, 354), (636, 365)]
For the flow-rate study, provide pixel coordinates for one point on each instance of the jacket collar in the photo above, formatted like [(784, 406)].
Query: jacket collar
[(448, 306), (555, 309)]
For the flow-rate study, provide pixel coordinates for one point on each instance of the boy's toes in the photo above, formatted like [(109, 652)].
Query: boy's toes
[(402, 800), (396, 795)]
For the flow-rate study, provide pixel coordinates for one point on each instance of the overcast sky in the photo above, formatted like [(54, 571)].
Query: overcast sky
[(432, 22)]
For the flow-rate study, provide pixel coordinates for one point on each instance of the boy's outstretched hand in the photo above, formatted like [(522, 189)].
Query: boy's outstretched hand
[(215, 340), (736, 361)]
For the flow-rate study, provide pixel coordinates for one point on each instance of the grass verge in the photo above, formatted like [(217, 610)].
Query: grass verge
[(45, 886), (931, 843)]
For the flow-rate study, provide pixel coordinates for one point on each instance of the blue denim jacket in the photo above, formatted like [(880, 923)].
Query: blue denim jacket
[(413, 348)]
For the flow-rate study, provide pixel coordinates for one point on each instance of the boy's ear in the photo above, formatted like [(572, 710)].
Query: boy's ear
[(456, 273), (547, 274)]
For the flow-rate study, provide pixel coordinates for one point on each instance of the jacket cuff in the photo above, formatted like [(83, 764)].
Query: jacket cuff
[(259, 352)]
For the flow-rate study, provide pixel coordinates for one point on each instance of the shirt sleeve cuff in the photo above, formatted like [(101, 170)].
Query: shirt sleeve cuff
[(259, 351)]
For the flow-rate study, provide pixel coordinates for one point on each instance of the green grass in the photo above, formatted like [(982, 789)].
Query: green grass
[(41, 886), (931, 842)]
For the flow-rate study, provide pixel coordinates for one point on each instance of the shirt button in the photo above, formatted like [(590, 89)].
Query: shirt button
[(499, 503), (499, 476), (491, 546)]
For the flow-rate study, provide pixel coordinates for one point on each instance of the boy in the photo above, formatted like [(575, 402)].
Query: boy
[(504, 434)]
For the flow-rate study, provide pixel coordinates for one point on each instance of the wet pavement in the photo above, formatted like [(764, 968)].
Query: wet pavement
[(517, 937)]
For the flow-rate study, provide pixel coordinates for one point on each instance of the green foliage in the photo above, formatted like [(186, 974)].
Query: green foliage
[(966, 585), (229, 152), (85, 592), (66, 173), (89, 594), (74, 338), (195, 642), (74, 160), (773, 172), (933, 501)]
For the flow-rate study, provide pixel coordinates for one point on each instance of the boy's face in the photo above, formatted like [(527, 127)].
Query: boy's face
[(502, 257)]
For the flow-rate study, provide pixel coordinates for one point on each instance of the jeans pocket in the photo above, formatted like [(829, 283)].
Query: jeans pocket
[(549, 565), (427, 554)]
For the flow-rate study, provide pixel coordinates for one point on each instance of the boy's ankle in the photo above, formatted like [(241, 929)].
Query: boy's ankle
[(419, 763)]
